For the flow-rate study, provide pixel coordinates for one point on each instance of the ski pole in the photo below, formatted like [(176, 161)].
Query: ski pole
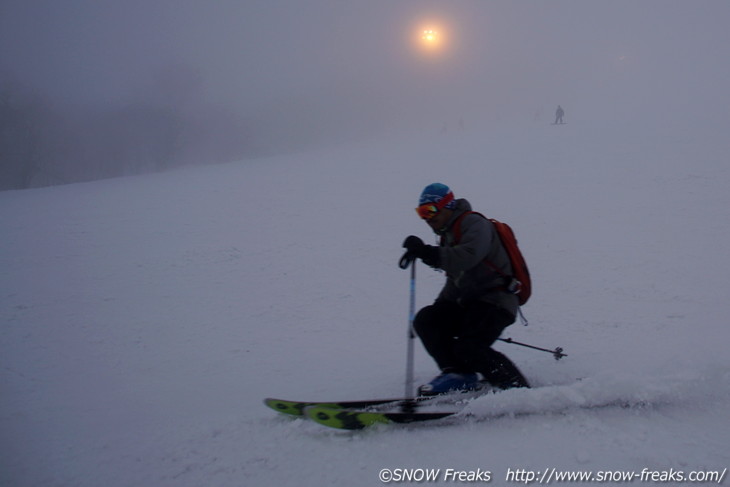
[(409, 405), (557, 353)]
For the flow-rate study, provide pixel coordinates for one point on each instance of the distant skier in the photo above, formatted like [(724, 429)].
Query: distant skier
[(474, 307), (559, 113)]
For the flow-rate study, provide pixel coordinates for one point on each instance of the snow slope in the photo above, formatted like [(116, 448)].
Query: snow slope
[(144, 319)]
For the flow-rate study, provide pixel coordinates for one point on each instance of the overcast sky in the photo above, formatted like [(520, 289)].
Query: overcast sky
[(345, 56)]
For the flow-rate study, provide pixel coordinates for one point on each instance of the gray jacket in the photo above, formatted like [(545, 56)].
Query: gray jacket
[(468, 278)]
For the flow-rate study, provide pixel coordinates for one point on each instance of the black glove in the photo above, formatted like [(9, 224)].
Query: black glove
[(429, 254), (413, 244)]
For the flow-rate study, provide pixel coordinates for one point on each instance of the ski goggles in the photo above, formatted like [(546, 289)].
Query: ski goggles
[(427, 211), (430, 210)]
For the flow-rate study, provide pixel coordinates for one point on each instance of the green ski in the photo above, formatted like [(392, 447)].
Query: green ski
[(296, 408), (350, 419)]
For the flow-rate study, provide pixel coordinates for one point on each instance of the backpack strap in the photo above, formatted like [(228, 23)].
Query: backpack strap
[(457, 223), (509, 281), (456, 228)]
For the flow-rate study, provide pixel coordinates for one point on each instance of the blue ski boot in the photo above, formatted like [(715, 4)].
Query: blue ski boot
[(449, 381)]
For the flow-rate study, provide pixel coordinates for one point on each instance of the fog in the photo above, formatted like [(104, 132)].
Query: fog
[(100, 88)]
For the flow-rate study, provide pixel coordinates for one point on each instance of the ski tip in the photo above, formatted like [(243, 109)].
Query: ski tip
[(285, 407)]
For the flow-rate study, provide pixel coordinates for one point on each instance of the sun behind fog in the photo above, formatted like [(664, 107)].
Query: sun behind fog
[(430, 36), (430, 39)]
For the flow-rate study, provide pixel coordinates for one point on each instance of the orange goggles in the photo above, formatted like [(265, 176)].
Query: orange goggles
[(427, 211), (430, 210)]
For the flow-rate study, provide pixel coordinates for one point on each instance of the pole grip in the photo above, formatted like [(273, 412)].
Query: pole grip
[(406, 260)]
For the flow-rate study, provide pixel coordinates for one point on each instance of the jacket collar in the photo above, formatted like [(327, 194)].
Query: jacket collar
[(462, 206)]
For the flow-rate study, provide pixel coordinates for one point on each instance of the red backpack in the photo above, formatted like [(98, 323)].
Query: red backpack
[(519, 283)]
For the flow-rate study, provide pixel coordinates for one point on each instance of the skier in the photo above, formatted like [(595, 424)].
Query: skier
[(559, 113), (473, 308)]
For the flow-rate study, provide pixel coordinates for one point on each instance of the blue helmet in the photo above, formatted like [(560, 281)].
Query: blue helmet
[(434, 193)]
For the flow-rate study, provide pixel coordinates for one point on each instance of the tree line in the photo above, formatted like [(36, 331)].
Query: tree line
[(47, 142)]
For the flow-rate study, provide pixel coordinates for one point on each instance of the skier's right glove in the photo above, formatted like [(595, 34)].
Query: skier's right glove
[(429, 254)]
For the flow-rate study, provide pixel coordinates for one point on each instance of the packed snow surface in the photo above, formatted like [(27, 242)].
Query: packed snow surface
[(144, 319)]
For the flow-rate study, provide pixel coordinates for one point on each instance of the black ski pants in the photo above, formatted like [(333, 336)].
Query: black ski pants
[(460, 338)]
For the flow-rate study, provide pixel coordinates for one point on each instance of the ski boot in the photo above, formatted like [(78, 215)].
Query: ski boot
[(448, 382)]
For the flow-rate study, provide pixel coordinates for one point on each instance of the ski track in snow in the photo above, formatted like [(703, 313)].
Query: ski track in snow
[(144, 319)]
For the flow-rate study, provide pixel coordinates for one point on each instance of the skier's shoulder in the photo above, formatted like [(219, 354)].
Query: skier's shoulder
[(466, 220)]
